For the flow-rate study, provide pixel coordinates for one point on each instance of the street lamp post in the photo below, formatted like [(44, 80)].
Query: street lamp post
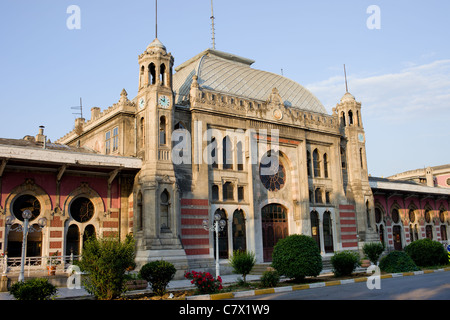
[(26, 214), (219, 223)]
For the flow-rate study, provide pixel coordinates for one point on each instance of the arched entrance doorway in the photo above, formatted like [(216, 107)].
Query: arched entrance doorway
[(274, 227)]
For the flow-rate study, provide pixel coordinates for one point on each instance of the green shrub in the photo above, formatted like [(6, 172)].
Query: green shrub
[(426, 252), (296, 257), (373, 251), (105, 261), (270, 279), (397, 261), (158, 274), (205, 282), (33, 289), (242, 262), (344, 262)]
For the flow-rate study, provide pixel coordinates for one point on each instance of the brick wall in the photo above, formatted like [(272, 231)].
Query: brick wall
[(194, 237)]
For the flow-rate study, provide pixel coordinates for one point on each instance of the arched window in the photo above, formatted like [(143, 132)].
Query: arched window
[(151, 73), (141, 76), (308, 163), (164, 211), (327, 232), (139, 214), (215, 192), (368, 214), (162, 74), (316, 163), (343, 119), (315, 233), (142, 127), (239, 234), (325, 165), (240, 156), (73, 240), (223, 236), (227, 153), (89, 232), (214, 160), (162, 130)]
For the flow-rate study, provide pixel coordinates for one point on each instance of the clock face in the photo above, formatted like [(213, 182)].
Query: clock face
[(141, 103), (164, 101), (360, 137)]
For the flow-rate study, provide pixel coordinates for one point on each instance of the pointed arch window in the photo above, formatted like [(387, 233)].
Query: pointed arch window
[(162, 131), (325, 165), (164, 210), (239, 234), (151, 73), (316, 163), (162, 74), (227, 153)]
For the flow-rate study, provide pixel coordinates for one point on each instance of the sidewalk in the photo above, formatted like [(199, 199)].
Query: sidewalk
[(66, 293)]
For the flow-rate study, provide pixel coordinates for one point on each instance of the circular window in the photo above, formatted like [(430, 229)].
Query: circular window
[(273, 177), (26, 202), (81, 209)]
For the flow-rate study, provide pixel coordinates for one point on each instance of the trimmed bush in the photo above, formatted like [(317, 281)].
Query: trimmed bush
[(373, 251), (105, 261), (397, 261), (242, 262), (297, 257), (270, 279), (158, 274), (344, 262), (426, 252), (33, 289)]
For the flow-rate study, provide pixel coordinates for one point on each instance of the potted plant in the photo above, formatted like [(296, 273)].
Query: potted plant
[(52, 262)]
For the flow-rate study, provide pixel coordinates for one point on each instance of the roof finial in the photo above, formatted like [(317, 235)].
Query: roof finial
[(156, 18), (345, 75), (212, 26)]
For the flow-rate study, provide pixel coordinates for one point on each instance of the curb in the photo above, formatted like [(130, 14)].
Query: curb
[(250, 293)]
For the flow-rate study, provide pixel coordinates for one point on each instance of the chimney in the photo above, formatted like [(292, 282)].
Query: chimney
[(40, 137)]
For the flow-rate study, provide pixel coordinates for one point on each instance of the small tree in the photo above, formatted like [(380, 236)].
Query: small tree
[(158, 274), (344, 262), (242, 262), (373, 251), (296, 257), (105, 261)]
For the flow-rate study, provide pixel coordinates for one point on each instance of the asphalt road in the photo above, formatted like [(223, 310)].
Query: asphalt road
[(433, 286)]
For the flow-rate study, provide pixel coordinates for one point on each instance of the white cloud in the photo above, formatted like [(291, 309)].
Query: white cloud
[(399, 96), (406, 114)]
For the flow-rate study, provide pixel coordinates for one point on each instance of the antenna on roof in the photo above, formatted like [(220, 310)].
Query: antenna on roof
[(345, 75), (212, 27), (80, 107), (156, 18)]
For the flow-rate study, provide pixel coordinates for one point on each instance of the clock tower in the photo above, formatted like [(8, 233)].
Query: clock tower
[(354, 166), (157, 219)]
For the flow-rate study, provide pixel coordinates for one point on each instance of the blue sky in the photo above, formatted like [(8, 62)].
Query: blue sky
[(400, 72)]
